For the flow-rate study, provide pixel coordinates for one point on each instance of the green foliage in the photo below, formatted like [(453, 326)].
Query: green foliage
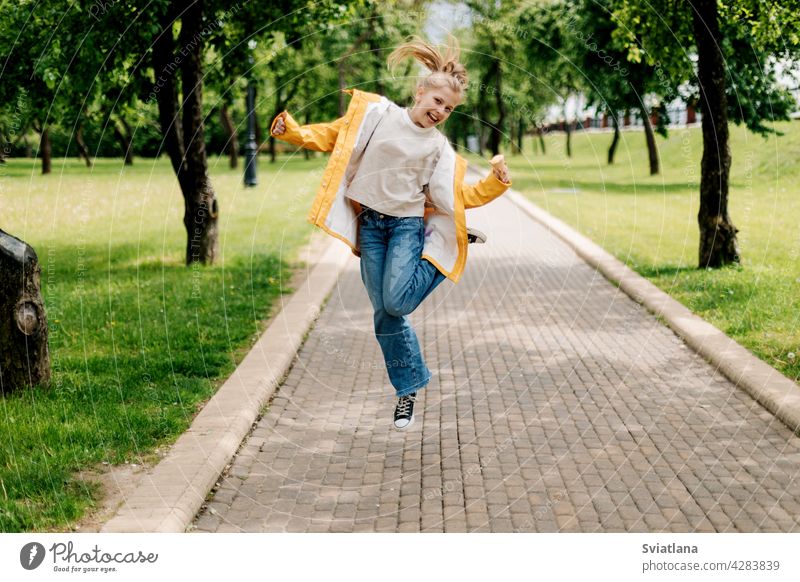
[(94, 65), (774, 25), (552, 47), (754, 95), (660, 34)]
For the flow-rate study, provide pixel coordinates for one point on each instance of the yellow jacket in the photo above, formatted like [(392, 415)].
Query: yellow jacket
[(445, 230)]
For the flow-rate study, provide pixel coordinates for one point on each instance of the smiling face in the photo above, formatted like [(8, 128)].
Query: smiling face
[(433, 105)]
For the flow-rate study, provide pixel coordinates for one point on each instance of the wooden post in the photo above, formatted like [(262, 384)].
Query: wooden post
[(24, 356)]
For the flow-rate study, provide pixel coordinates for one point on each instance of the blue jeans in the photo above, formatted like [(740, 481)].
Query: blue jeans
[(397, 280)]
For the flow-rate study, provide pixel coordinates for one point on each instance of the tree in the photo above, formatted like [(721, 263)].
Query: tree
[(24, 354), (103, 57), (551, 50), (494, 99), (349, 51), (718, 244), (165, 47), (612, 83), (731, 42), (40, 76), (503, 98)]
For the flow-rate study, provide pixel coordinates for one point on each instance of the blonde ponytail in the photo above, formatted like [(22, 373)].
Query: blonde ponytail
[(445, 69)]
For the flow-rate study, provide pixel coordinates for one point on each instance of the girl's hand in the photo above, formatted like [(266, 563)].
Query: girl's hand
[(500, 169), (502, 175), (280, 126)]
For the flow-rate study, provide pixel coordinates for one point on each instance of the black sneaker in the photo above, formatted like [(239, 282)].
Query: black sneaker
[(475, 236), (404, 412)]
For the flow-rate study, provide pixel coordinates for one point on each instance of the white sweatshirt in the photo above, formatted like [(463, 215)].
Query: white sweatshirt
[(397, 162)]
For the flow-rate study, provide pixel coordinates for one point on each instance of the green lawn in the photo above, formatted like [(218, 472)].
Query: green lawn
[(138, 340), (650, 223)]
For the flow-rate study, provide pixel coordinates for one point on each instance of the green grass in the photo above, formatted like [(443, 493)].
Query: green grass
[(650, 223), (138, 340)]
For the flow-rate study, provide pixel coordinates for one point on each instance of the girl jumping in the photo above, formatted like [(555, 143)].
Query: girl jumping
[(394, 191)]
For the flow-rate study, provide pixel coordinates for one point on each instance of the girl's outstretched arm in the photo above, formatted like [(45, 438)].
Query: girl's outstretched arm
[(319, 137)]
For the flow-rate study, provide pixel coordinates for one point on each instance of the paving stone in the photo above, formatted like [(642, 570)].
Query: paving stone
[(557, 404)]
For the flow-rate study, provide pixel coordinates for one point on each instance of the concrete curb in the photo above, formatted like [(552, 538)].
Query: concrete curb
[(168, 497), (773, 390)]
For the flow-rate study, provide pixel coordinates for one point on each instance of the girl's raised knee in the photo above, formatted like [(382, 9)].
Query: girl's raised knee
[(397, 308)]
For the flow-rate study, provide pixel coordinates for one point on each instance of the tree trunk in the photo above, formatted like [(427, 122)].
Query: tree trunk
[(184, 137), (540, 132), (125, 141), (24, 355), (46, 151), (568, 128), (233, 137), (201, 206), (496, 129), (612, 150), (257, 123), (277, 109), (482, 117), (167, 96), (520, 134), (650, 138), (83, 151), (718, 244)]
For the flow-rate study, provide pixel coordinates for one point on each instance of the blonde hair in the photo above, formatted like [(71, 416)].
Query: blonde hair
[(445, 69)]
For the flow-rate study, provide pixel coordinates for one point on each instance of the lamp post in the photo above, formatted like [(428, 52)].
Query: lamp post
[(250, 148)]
